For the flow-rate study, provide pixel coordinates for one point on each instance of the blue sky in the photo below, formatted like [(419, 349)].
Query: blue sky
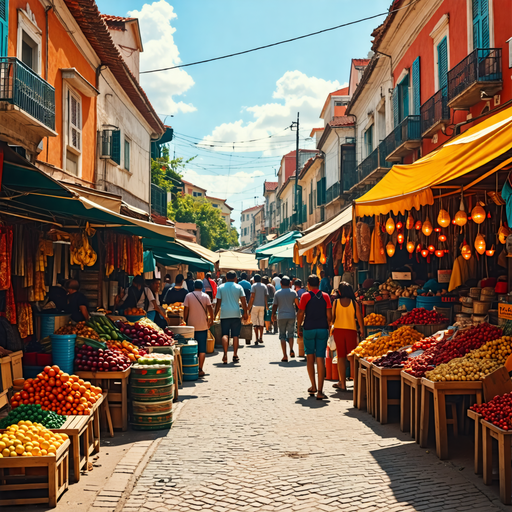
[(250, 96)]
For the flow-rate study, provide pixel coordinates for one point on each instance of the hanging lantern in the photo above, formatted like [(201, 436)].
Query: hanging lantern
[(426, 229), (503, 232), (439, 253), (466, 251), (390, 249), (488, 215), (409, 223), (418, 225), (480, 244), (478, 214), (490, 252), (410, 247), (461, 217), (400, 239), (453, 221), (442, 238), (322, 259), (424, 253), (399, 225), (437, 230), (431, 248), (443, 219), (390, 226)]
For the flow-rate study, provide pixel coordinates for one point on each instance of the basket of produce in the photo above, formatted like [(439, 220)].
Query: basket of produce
[(497, 411), (463, 369), (134, 314), (374, 319), (35, 414), (105, 328), (145, 333), (425, 321), (91, 359)]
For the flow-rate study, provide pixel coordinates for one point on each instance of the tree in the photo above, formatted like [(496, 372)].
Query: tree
[(166, 173), (215, 234)]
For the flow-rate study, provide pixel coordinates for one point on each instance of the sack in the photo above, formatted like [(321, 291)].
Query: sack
[(331, 343)]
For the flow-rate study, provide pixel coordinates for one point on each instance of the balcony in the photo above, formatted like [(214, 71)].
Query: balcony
[(158, 200), (435, 113), (373, 167), (479, 72), (332, 193), (26, 98), (403, 139)]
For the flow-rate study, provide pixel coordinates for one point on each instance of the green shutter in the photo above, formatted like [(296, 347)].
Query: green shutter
[(416, 96), (396, 107), (311, 198), (442, 62), (126, 155), (480, 24), (4, 26), (116, 146), (404, 97)]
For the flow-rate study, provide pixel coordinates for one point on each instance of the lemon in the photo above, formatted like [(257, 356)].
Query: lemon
[(20, 449), (2, 445), (6, 452)]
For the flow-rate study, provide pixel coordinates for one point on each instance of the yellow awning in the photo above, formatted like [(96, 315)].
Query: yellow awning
[(409, 186), (231, 260), (317, 236)]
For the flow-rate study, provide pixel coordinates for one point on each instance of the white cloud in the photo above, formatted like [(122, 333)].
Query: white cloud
[(297, 92), (160, 51)]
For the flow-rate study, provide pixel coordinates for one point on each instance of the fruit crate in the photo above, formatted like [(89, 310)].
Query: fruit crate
[(5, 373), (33, 480)]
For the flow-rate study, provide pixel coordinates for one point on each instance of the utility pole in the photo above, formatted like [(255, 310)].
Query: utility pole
[(296, 209)]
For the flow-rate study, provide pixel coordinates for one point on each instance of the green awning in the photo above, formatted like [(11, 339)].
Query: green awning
[(267, 250), (282, 253), (194, 263)]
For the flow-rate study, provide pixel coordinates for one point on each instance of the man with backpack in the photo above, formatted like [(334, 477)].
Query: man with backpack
[(313, 323)]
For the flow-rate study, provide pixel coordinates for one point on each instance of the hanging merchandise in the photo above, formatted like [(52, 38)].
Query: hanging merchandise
[(503, 232), (25, 320), (5, 257), (439, 253), (478, 214), (377, 251), (81, 252), (409, 223), (490, 252), (124, 252), (410, 248), (443, 219), (461, 217), (400, 239), (425, 252), (442, 238), (363, 240), (479, 244), (390, 249), (426, 229), (348, 263), (418, 225), (431, 248), (390, 226), (399, 225), (465, 250)]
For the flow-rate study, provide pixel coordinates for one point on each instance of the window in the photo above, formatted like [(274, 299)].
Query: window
[(442, 62), (441, 46), (509, 41), (480, 13), (245, 231), (401, 100), (73, 132), (416, 84), (127, 154), (311, 198), (215, 205), (28, 38), (197, 194), (368, 140)]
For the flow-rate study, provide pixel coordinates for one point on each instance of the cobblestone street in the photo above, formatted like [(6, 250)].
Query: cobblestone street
[(249, 438)]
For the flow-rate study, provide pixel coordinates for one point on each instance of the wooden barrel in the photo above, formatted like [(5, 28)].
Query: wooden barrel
[(151, 393), (152, 421)]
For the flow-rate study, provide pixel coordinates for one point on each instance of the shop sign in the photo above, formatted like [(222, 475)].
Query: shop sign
[(401, 276), (444, 276), (505, 311)]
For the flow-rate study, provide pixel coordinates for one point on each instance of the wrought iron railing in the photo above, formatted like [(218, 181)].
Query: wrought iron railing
[(481, 65), (158, 200), (408, 129), (20, 86), (332, 193), (376, 159), (435, 109)]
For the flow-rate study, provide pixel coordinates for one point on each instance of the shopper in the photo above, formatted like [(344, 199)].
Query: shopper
[(299, 289), (325, 283), (270, 299), (244, 283), (276, 281), (77, 304), (190, 282), (198, 313), (316, 314), (229, 296), (177, 293), (345, 310), (156, 312), (167, 285), (210, 286), (284, 304), (258, 304), (138, 295)]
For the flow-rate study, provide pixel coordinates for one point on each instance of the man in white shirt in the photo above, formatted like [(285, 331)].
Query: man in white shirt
[(276, 280)]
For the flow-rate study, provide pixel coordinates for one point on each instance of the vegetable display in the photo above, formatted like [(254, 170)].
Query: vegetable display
[(99, 360), (463, 369), (80, 329), (421, 316), (498, 349), (152, 359), (134, 312), (394, 359), (57, 391), (129, 349), (27, 439), (497, 411), (105, 328), (33, 413), (374, 319), (146, 336)]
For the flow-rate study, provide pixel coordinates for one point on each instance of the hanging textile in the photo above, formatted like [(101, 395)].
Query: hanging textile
[(377, 252), (5, 257), (25, 320)]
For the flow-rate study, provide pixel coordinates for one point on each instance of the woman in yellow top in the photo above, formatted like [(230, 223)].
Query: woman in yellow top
[(344, 312)]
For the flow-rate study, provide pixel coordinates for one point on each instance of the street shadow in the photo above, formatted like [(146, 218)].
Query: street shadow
[(346, 395), (290, 363), (312, 402)]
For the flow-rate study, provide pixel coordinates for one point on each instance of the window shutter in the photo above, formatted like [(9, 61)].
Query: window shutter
[(75, 121), (396, 107), (484, 23), (116, 146), (4, 25), (311, 198), (416, 96), (442, 62)]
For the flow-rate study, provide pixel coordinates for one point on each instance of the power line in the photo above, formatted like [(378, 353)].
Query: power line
[(233, 142), (281, 42)]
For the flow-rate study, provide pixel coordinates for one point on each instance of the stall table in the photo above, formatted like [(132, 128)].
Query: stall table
[(364, 394), (117, 393), (355, 361), (489, 432), (478, 441), (410, 405), (380, 378), (439, 392), (5, 373)]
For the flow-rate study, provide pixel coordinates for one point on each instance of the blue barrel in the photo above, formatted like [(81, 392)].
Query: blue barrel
[(48, 323), (189, 360), (63, 351), (429, 302), (190, 372), (409, 303), (189, 349)]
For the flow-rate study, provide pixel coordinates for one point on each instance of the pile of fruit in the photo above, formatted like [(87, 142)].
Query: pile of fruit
[(463, 369), (154, 358), (176, 308), (498, 349), (99, 360), (374, 319), (145, 336), (105, 328), (418, 366), (33, 413), (134, 312), (57, 391), (128, 349), (377, 345), (408, 291), (466, 341), (80, 329), (393, 359), (146, 322), (421, 316), (423, 344), (497, 411), (27, 439)]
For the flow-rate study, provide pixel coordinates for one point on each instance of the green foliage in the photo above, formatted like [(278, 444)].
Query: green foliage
[(214, 232), (167, 173)]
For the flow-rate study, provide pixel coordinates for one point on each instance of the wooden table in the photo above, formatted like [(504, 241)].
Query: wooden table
[(364, 400), (439, 392), (355, 361), (117, 393), (478, 441), (5, 373), (489, 432), (77, 428), (410, 405), (380, 378)]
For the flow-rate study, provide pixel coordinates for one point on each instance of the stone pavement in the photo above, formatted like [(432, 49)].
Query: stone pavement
[(249, 438)]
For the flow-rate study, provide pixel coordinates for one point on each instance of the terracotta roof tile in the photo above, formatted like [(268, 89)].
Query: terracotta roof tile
[(271, 185), (258, 207), (361, 62), (111, 17), (341, 121)]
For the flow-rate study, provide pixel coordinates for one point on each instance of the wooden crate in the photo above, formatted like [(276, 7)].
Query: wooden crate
[(381, 402), (16, 364), (32, 480), (5, 373), (116, 384), (4, 398)]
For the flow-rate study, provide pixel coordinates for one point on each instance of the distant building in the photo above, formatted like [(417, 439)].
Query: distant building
[(247, 224)]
